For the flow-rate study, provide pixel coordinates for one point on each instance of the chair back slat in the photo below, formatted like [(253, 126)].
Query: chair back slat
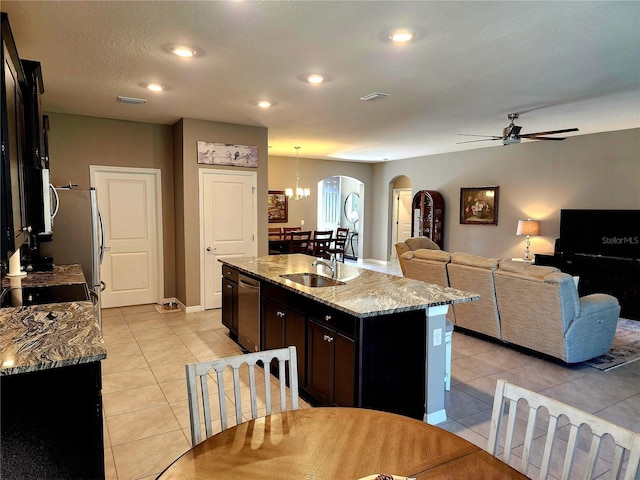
[(198, 374), (625, 440)]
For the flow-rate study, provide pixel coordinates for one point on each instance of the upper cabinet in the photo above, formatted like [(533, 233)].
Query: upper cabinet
[(427, 219)]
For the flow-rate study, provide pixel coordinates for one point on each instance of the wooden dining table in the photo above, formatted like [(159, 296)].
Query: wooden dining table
[(336, 443)]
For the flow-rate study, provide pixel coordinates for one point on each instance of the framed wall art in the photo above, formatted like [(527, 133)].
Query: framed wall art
[(277, 206), (479, 205), (227, 154)]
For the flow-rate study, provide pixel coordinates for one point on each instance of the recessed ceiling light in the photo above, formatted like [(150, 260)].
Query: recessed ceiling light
[(264, 103), (402, 36), (315, 79), (155, 87), (184, 52)]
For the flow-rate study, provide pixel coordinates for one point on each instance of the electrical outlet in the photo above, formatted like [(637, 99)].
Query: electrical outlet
[(437, 337)]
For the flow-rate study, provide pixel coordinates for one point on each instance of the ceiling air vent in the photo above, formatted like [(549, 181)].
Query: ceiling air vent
[(374, 96), (132, 101)]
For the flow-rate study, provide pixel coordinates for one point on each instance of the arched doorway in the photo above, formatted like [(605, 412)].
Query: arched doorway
[(400, 227), (341, 204)]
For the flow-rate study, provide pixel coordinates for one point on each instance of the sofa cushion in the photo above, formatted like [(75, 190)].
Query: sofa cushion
[(416, 243), (432, 255), (474, 260)]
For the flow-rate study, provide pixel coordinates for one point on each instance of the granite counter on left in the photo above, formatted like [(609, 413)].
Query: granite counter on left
[(41, 337)]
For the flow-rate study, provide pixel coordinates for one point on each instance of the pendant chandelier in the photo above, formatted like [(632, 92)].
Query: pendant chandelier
[(298, 192)]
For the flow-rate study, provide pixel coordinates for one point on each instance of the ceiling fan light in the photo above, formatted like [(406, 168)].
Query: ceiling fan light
[(315, 79), (402, 36), (183, 52)]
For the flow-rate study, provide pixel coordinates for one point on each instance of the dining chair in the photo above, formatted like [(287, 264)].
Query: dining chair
[(291, 229), (299, 241), (322, 240), (275, 231), (198, 374), (339, 243), (506, 399)]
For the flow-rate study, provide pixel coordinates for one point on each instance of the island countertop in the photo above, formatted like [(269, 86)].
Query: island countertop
[(53, 335), (365, 293)]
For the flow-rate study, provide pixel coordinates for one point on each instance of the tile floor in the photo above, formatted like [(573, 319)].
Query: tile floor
[(145, 400)]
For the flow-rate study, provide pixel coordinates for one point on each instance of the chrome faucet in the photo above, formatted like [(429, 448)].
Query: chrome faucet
[(333, 266)]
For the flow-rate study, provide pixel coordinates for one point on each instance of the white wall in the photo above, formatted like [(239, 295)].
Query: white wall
[(536, 180)]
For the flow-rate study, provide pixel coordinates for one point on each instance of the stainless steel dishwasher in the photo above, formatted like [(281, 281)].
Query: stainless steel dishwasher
[(249, 313)]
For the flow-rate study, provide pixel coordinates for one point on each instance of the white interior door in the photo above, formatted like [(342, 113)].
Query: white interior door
[(401, 218), (228, 225), (129, 201)]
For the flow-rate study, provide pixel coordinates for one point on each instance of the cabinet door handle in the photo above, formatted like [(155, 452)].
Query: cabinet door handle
[(327, 317), (328, 338), (280, 314), (230, 287)]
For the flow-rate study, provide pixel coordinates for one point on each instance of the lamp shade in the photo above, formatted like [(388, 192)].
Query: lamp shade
[(528, 227)]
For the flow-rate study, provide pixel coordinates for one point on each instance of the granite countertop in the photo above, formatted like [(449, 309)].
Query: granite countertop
[(40, 337), (366, 293), (60, 275)]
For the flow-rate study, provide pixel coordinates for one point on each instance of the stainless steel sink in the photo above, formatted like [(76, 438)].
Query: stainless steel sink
[(312, 279)]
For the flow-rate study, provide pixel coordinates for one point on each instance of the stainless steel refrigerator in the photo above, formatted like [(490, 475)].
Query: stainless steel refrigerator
[(78, 236)]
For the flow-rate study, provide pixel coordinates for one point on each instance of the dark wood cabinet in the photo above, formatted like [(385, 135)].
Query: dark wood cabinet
[(52, 424), (331, 365), (427, 219), (34, 120), (284, 327), (230, 299)]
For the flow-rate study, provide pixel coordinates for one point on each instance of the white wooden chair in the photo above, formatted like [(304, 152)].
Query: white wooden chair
[(197, 374), (508, 395)]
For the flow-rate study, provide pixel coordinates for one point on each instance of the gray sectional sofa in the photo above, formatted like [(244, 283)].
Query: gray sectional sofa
[(531, 306)]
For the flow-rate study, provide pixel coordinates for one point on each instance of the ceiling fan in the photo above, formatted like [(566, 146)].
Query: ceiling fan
[(511, 133)]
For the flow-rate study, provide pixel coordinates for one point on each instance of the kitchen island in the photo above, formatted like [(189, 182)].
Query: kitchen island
[(371, 340), (50, 383)]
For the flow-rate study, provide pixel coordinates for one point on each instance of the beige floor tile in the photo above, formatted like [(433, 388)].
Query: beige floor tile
[(175, 390), (109, 465), (114, 320), (115, 329), (163, 343), (210, 337), (133, 399), (144, 325), (111, 312), (123, 363), (116, 338), (160, 332), (138, 424), (149, 456), (138, 309), (172, 355), (142, 316), (129, 348), (114, 382), (168, 372), (190, 326)]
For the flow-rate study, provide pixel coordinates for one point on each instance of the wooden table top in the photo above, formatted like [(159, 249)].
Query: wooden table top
[(336, 443)]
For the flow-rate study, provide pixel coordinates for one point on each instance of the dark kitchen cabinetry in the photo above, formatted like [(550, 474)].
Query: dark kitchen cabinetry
[(35, 156), (284, 327), (230, 299), (331, 365), (427, 219), (52, 424)]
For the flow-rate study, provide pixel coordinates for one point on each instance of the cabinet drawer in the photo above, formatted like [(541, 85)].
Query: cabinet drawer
[(337, 320), (230, 273)]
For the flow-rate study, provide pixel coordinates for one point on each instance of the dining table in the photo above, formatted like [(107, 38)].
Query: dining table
[(336, 443)]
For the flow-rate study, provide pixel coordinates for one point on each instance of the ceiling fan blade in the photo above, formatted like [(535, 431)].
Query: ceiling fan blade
[(544, 138), (482, 140), (492, 137), (551, 132)]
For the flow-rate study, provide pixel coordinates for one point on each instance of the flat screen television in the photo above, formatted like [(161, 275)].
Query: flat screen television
[(608, 233)]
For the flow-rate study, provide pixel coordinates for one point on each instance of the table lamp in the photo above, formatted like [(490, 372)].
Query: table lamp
[(528, 227)]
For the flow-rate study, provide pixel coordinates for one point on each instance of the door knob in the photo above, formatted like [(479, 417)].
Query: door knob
[(209, 249)]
